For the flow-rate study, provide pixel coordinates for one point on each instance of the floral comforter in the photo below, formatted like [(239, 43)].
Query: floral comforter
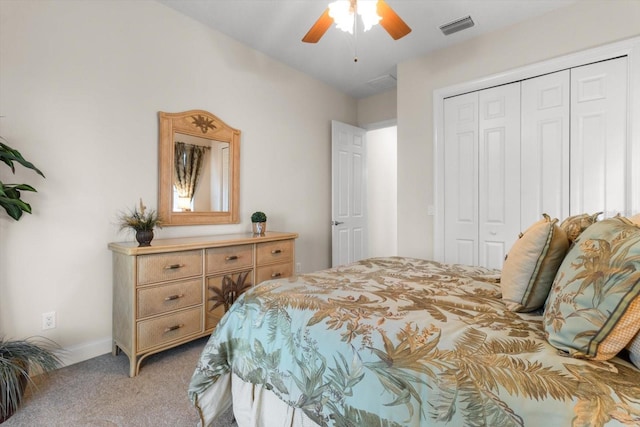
[(408, 342)]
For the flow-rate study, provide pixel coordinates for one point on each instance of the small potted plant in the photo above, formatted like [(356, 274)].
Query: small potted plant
[(142, 221), (259, 222), (20, 360)]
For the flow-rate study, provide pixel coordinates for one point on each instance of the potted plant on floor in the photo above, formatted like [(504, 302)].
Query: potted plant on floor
[(20, 361), (141, 221), (259, 222)]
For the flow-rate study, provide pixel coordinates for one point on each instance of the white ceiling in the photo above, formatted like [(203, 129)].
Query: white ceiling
[(276, 28)]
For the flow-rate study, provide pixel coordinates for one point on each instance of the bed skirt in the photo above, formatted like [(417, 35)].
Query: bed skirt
[(253, 405)]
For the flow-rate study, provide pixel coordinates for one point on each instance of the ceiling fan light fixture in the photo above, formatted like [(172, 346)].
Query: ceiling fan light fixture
[(343, 13), (368, 12), (372, 12)]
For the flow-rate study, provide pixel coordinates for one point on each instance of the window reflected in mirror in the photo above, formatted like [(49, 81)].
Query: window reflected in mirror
[(201, 174)]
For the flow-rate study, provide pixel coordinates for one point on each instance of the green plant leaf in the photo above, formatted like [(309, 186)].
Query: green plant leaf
[(10, 193), (8, 155), (14, 211), (19, 361)]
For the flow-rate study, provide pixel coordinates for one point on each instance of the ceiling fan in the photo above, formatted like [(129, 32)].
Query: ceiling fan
[(388, 19)]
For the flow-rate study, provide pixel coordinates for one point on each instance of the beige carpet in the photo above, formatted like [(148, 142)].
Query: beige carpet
[(99, 393)]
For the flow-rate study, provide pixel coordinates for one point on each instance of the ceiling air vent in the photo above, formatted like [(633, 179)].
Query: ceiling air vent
[(383, 82), (457, 25)]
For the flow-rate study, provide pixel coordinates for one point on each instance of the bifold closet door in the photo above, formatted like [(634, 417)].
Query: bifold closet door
[(482, 175), (554, 144), (461, 179), (499, 173), (545, 147), (599, 145)]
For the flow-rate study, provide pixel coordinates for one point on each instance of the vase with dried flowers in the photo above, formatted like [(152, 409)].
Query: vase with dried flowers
[(142, 221)]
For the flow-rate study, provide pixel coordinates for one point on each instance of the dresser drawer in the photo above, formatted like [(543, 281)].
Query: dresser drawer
[(170, 266), (172, 296), (213, 317), (274, 252), (274, 271), (229, 258), (161, 330)]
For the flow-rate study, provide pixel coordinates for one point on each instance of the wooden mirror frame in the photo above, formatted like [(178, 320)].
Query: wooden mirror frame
[(201, 124)]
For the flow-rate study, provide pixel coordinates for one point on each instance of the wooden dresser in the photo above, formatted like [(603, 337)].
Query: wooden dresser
[(176, 290)]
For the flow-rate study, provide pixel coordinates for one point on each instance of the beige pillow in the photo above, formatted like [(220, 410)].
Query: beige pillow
[(635, 219), (531, 265), (576, 224)]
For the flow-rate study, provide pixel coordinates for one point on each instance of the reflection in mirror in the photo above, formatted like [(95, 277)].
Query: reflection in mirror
[(199, 169), (201, 174)]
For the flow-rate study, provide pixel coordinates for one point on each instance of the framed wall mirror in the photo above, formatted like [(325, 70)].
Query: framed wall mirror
[(199, 169)]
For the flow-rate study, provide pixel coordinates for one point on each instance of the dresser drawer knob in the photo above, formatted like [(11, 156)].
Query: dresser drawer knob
[(231, 258), (276, 275), (173, 328), (173, 297), (173, 266), (276, 251)]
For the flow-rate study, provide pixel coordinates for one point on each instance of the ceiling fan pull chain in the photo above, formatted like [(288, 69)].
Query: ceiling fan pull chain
[(355, 37)]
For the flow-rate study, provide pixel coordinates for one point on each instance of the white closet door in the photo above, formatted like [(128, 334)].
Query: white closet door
[(461, 179), (499, 172), (599, 137), (545, 147)]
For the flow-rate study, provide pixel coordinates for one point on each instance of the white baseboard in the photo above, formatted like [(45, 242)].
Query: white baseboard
[(85, 351)]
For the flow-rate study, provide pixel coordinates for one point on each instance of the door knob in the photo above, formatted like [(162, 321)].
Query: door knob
[(336, 222)]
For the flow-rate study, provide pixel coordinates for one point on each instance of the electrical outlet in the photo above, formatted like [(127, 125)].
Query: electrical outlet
[(298, 267), (48, 320)]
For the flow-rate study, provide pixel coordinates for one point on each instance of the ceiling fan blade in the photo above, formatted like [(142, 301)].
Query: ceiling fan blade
[(391, 22), (319, 28)]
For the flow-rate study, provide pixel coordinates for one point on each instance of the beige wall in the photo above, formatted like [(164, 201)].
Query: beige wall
[(377, 109), (382, 188), (81, 83), (583, 25)]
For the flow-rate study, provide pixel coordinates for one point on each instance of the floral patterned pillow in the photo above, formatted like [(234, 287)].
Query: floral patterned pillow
[(576, 224), (531, 265), (593, 309)]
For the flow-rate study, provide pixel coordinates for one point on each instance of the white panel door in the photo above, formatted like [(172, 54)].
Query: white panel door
[(599, 137), (545, 147), (461, 179), (499, 173), (349, 193)]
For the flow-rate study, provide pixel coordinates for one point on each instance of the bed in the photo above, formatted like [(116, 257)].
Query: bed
[(400, 341)]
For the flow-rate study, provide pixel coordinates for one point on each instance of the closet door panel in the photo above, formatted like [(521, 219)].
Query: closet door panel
[(545, 147), (599, 137), (499, 172), (461, 179)]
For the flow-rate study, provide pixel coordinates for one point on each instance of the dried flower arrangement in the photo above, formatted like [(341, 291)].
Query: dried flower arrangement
[(140, 219)]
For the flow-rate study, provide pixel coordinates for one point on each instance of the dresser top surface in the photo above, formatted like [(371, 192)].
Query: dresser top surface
[(198, 242)]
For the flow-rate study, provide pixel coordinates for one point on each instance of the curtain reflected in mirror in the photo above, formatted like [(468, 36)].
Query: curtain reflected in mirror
[(201, 175)]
